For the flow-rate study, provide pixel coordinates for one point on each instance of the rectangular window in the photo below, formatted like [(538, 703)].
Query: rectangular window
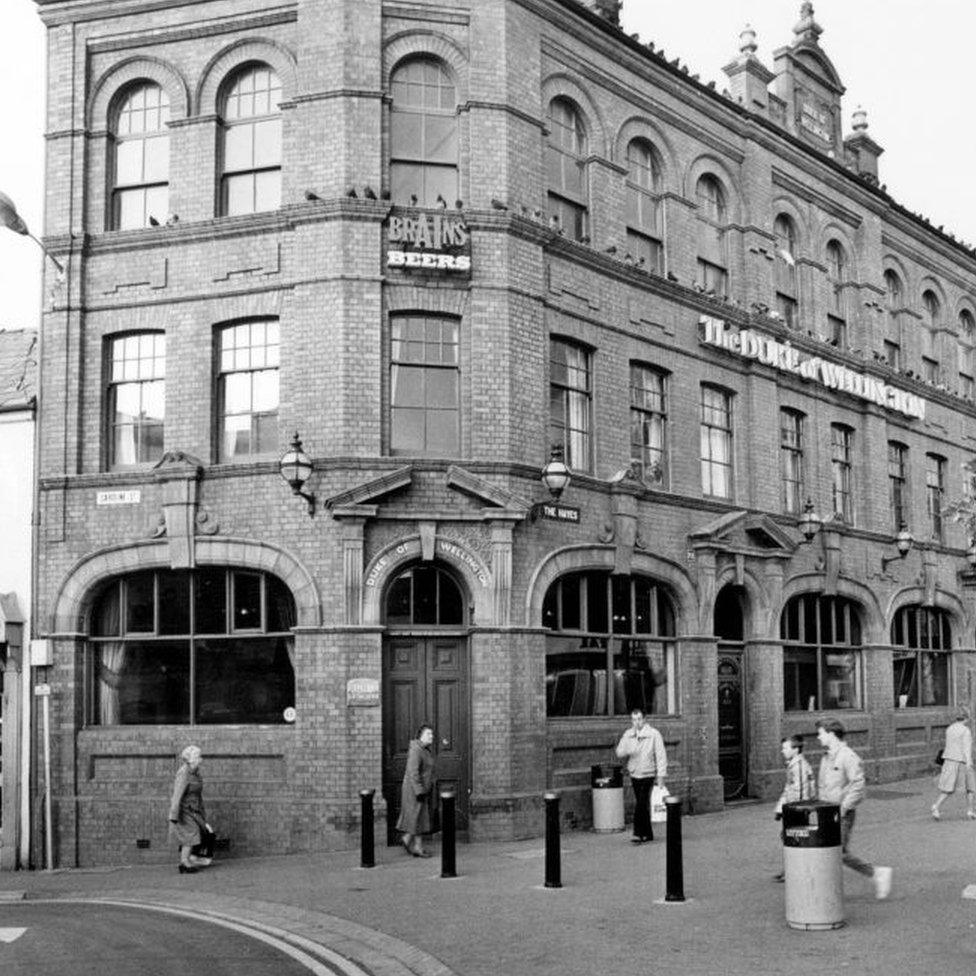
[(837, 331), (841, 463), (247, 390), (648, 424), (791, 457), (892, 353), (136, 399), (921, 660), (570, 217), (716, 442), (935, 493), (647, 252), (930, 370), (788, 310), (425, 386), (570, 420), (897, 482), (713, 279)]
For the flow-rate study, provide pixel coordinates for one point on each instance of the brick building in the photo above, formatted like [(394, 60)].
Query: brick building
[(442, 242)]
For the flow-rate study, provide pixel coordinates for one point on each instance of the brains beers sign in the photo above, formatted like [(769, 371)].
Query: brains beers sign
[(429, 241)]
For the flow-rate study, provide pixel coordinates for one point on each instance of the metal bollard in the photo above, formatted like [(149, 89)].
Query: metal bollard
[(366, 857), (673, 869), (448, 838), (552, 841)]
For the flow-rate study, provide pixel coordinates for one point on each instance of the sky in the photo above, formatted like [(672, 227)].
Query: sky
[(907, 62)]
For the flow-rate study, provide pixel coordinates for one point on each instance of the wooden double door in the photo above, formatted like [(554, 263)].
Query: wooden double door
[(425, 680), (731, 721)]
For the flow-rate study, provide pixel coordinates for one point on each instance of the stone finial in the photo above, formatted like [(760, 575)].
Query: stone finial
[(747, 41), (608, 9), (859, 120), (807, 29)]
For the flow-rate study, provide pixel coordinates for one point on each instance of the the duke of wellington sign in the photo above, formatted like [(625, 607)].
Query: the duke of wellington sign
[(750, 344)]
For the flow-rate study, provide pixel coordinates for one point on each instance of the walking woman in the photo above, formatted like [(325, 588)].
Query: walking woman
[(957, 764), (415, 794), (187, 819)]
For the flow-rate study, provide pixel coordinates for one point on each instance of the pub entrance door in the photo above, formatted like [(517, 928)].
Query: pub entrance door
[(425, 680)]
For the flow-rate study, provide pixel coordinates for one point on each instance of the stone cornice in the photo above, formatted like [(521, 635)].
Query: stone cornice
[(440, 15), (804, 191)]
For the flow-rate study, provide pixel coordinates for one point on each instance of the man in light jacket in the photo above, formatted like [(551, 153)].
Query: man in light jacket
[(643, 748), (841, 781)]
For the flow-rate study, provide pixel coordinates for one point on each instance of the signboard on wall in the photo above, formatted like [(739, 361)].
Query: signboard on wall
[(435, 241), (751, 344), (362, 692)]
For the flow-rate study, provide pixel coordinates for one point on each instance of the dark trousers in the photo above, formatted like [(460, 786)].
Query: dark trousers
[(642, 806)]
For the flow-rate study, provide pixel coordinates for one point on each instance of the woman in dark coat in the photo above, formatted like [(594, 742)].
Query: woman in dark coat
[(187, 818), (415, 794)]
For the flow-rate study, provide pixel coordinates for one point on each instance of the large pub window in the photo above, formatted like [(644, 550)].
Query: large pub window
[(206, 646), (922, 640), (821, 653), (611, 646)]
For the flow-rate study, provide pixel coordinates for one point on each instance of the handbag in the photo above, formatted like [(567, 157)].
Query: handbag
[(938, 758), (208, 842), (659, 809)]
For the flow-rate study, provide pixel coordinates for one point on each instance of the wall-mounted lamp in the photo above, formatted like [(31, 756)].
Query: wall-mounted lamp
[(555, 475), (12, 220), (810, 522), (296, 467), (904, 541)]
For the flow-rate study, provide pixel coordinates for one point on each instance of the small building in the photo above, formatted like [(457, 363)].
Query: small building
[(417, 253)]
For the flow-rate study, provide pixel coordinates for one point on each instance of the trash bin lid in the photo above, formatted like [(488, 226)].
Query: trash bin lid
[(811, 823)]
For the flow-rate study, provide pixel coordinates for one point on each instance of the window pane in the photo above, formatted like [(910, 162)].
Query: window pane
[(210, 601), (576, 677), (267, 190), (174, 603), (239, 194), (440, 143), (406, 135), (247, 601), (407, 386), (407, 430), (639, 668), (157, 203), (442, 432), (267, 143), (265, 397), (280, 607), (239, 147), (237, 393), (130, 207), (425, 595), (106, 616), (143, 683), (442, 387), (243, 681), (597, 608), (140, 603), (128, 162), (800, 679), (157, 160)]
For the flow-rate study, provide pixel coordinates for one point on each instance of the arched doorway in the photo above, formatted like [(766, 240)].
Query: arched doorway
[(425, 680), (730, 629)]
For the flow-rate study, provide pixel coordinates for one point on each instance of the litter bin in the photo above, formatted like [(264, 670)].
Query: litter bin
[(608, 798), (812, 864)]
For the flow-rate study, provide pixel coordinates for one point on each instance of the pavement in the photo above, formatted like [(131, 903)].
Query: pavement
[(497, 918)]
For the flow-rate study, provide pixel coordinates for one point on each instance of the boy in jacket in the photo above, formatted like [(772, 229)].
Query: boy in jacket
[(841, 781), (643, 748), (800, 784)]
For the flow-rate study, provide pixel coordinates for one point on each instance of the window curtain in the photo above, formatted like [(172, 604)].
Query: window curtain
[(111, 661)]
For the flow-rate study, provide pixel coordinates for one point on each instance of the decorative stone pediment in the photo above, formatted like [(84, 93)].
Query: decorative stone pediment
[(178, 474), (746, 534), (463, 480), (369, 491)]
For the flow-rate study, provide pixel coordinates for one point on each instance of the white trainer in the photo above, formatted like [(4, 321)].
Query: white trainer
[(882, 883)]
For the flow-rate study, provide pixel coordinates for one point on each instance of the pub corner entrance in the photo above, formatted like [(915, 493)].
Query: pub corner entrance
[(425, 680), (729, 629)]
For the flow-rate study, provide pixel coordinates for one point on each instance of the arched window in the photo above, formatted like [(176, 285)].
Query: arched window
[(611, 647), (893, 304), (140, 158), (644, 234), (922, 640), (836, 312), (932, 316), (424, 595), (251, 130), (967, 339), (784, 269), (247, 389), (208, 646), (713, 276), (135, 398), (821, 653), (565, 153), (423, 134)]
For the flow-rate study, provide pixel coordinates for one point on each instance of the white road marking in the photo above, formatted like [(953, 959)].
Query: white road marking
[(8, 935)]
